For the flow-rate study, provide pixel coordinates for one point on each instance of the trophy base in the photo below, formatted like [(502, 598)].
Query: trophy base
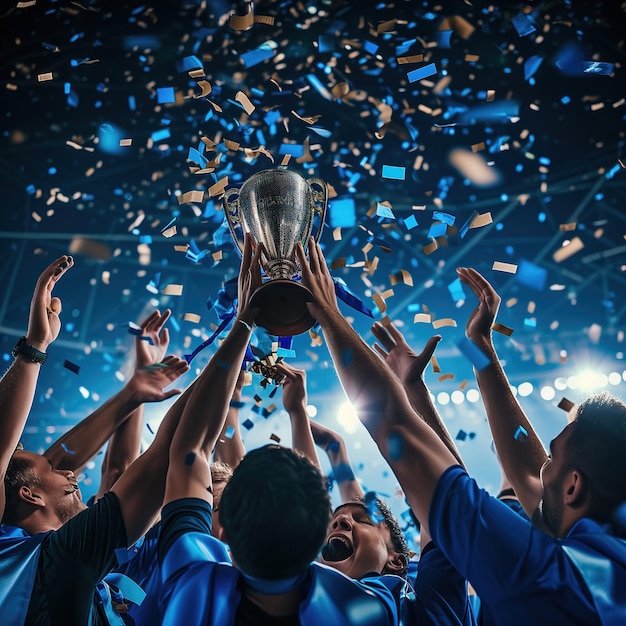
[(282, 307)]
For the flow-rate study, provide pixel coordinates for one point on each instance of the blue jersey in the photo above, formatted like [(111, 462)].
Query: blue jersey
[(522, 574)]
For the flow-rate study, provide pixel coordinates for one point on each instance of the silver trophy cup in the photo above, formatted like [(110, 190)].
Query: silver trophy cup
[(279, 208)]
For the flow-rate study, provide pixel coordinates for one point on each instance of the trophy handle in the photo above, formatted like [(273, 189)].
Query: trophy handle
[(231, 212), (319, 199)]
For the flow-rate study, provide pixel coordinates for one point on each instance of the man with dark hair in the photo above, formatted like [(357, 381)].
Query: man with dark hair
[(274, 512), (523, 574), (53, 550)]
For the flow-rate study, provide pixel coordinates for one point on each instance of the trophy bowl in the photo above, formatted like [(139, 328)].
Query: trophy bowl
[(279, 208)]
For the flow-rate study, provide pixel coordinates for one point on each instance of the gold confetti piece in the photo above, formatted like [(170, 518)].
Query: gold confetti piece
[(477, 147), (415, 58), (195, 195), (435, 364), (473, 166), (232, 145), (73, 144), (387, 294), (499, 266), (511, 302), (386, 27), (243, 99), (191, 317), (275, 438), (445, 321), (386, 321), (445, 377), (598, 233), (90, 248), (481, 220), (242, 22), (306, 120), (491, 94), (26, 4), (264, 19), (106, 277), (169, 232), (218, 188), (337, 234), (36, 216), (173, 290), (566, 405), (217, 256), (44, 77), (181, 248), (531, 307), (419, 207), (471, 57), (422, 318), (380, 303), (463, 385), (198, 73), (316, 340), (502, 329), (338, 263), (430, 248), (285, 160), (125, 143), (574, 246), (458, 24), (569, 226), (205, 85)]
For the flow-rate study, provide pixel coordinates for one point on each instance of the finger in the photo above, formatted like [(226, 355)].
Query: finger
[(382, 334), (302, 260), (430, 347), (313, 256), (164, 337), (55, 306), (321, 259), (381, 351), (256, 264), (148, 320), (247, 253), (396, 335), (171, 393)]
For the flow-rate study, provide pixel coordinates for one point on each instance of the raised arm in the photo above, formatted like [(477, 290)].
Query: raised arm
[(333, 444), (522, 456), (230, 450), (17, 386), (294, 401), (125, 442), (414, 452), (204, 414), (409, 368)]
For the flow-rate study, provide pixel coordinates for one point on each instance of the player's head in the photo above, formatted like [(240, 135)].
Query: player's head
[(274, 512), (364, 539)]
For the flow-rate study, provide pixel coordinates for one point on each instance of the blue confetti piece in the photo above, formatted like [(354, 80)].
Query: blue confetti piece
[(442, 37), (531, 275), (422, 72), (394, 172), (256, 56), (189, 63), (150, 429), (285, 353), (68, 365), (396, 446), (531, 65), (248, 424), (473, 353), (369, 499), (437, 230), (325, 43), (461, 435), (384, 211), (160, 135), (597, 67), (190, 458), (456, 290), (342, 212), (531, 322), (370, 47), (410, 222), (294, 149), (342, 473), (520, 433), (444, 217), (333, 446), (237, 404), (523, 25), (134, 329), (229, 432), (67, 449)]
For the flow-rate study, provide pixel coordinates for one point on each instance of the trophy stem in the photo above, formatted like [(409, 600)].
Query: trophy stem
[(282, 307), (280, 268)]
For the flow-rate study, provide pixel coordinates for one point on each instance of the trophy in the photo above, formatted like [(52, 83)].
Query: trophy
[(279, 208)]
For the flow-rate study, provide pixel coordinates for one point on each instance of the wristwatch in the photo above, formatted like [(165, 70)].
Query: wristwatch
[(27, 351)]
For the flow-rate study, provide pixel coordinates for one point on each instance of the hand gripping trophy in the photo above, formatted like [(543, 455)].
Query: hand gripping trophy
[(279, 208)]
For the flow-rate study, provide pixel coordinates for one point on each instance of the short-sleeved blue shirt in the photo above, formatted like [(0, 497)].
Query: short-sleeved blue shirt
[(525, 576)]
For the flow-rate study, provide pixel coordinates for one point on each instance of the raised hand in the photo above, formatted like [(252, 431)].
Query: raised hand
[(249, 280), (149, 382), (316, 276), (400, 357), (478, 327), (43, 322), (151, 347), (294, 387)]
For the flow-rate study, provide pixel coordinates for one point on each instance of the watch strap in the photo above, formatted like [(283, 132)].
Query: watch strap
[(29, 352)]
